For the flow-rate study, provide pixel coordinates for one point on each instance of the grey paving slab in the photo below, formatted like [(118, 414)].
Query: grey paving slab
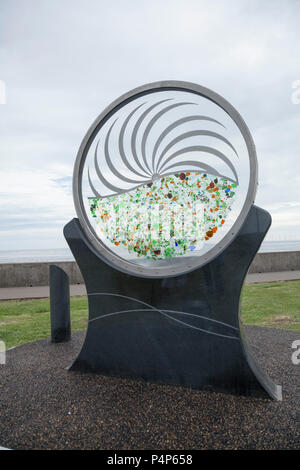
[(38, 292), (273, 277)]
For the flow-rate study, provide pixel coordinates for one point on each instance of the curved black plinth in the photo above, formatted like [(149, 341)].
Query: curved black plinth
[(183, 330)]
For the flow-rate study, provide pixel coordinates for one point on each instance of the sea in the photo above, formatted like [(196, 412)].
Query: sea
[(64, 254)]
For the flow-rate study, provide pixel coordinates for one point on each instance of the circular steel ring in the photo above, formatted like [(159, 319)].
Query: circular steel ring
[(192, 263)]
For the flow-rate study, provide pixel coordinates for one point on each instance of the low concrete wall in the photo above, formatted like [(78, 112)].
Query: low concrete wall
[(276, 262), (37, 274)]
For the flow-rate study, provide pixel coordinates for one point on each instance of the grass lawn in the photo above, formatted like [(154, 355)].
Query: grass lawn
[(274, 305)]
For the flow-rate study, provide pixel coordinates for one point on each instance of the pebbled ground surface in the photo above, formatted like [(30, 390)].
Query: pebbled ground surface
[(43, 406)]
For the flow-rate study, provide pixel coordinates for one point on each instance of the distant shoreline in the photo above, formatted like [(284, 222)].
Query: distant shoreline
[(64, 254)]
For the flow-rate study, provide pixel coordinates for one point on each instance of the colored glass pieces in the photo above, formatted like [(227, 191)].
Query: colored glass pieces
[(170, 217)]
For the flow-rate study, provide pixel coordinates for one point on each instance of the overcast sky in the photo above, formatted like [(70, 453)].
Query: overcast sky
[(64, 61)]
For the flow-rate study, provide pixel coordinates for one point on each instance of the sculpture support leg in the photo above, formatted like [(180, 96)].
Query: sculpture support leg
[(59, 304), (183, 330)]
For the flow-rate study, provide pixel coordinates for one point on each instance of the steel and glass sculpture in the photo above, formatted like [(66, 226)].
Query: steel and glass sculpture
[(164, 187)]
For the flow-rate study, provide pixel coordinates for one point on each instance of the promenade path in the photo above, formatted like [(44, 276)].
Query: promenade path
[(40, 292)]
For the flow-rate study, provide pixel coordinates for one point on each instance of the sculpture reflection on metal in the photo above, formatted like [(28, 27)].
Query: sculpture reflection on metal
[(164, 185)]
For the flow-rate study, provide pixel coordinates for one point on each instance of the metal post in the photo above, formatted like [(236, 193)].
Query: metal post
[(59, 305)]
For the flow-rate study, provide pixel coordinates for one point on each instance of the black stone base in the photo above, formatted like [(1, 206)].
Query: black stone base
[(183, 330)]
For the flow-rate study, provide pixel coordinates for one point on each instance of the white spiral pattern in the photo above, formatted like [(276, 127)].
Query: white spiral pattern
[(158, 164)]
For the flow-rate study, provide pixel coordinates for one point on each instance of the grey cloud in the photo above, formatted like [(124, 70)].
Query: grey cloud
[(64, 61)]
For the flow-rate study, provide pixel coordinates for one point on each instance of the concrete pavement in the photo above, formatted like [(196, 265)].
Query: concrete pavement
[(40, 292), (253, 278), (37, 292)]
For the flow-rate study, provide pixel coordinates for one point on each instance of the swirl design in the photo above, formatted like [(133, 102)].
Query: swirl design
[(148, 164)]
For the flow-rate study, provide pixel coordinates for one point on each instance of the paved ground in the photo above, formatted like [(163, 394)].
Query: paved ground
[(7, 293), (272, 277), (38, 292), (43, 406)]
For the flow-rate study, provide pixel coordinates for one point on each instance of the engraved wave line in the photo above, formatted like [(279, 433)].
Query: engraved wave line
[(163, 312)]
